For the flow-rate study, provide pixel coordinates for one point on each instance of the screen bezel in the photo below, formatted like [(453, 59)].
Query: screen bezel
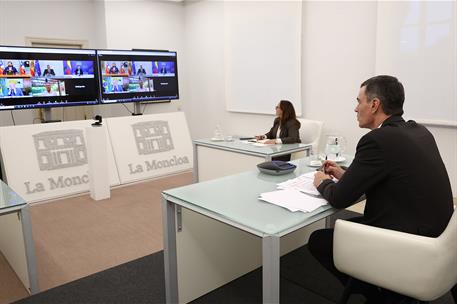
[(46, 53), (130, 97)]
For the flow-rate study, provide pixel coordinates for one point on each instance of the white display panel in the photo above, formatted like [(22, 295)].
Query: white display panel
[(46, 161), (416, 42), (262, 55), (150, 145)]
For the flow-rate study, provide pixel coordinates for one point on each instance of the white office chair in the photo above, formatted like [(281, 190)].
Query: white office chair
[(420, 267), (310, 133)]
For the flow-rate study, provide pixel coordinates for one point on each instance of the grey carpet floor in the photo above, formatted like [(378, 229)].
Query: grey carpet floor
[(303, 280)]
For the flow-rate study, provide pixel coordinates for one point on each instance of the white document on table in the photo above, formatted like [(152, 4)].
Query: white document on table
[(293, 200), (303, 183), (259, 145)]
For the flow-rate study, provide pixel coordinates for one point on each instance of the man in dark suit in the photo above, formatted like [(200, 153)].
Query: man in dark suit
[(141, 71), (49, 71), (163, 69), (78, 70), (399, 169)]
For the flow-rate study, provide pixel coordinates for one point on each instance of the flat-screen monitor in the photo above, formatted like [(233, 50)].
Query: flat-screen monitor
[(138, 76), (46, 77)]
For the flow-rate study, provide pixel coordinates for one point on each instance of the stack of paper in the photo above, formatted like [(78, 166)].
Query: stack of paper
[(297, 194), (293, 200), (303, 183)]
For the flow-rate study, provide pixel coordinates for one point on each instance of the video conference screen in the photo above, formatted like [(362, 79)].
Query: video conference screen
[(44, 77), (138, 76)]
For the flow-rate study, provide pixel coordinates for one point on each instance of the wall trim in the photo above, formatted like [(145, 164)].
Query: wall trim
[(53, 42), (438, 123)]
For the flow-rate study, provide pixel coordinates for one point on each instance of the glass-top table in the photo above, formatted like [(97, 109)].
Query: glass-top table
[(213, 159), (9, 200), (16, 238), (246, 147), (233, 200)]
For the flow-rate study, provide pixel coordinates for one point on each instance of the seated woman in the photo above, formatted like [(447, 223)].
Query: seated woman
[(285, 128)]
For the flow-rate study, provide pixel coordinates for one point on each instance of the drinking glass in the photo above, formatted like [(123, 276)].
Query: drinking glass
[(333, 147)]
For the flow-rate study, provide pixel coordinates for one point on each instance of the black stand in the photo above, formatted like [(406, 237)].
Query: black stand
[(47, 116), (137, 109)]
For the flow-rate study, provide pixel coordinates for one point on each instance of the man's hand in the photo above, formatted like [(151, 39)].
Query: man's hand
[(331, 168), (319, 177)]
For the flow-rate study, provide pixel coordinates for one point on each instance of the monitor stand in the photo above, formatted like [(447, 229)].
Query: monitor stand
[(47, 116), (137, 109)]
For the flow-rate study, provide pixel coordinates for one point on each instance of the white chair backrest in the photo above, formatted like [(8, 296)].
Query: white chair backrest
[(446, 273), (420, 267), (310, 132)]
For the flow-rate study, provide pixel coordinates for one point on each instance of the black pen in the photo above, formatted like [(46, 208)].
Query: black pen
[(246, 138)]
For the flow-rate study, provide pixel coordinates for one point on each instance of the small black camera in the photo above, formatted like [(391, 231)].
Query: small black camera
[(98, 121)]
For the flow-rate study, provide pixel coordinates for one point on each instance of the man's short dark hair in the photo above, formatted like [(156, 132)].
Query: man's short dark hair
[(388, 90)]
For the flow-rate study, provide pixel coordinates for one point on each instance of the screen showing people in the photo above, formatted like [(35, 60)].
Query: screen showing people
[(31, 79), (134, 76), (41, 77), (25, 78), (130, 76)]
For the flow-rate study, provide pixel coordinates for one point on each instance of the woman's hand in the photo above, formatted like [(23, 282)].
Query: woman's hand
[(270, 141)]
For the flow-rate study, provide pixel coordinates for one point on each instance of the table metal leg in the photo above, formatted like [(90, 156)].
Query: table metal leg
[(195, 169), (270, 269), (169, 250), (29, 250), (328, 222)]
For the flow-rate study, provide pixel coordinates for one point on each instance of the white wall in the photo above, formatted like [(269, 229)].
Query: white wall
[(329, 89), (339, 53), (204, 56), (104, 24), (100, 25), (338, 56), (446, 138), (157, 25), (75, 20), (48, 19), (327, 84)]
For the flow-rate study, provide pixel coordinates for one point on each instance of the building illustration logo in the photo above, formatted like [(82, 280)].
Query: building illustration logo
[(60, 149), (152, 137)]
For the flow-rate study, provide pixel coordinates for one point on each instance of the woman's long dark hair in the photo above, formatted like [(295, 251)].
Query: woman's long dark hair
[(288, 112)]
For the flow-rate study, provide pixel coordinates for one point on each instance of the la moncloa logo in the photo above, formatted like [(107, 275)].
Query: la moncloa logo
[(152, 137), (60, 149)]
